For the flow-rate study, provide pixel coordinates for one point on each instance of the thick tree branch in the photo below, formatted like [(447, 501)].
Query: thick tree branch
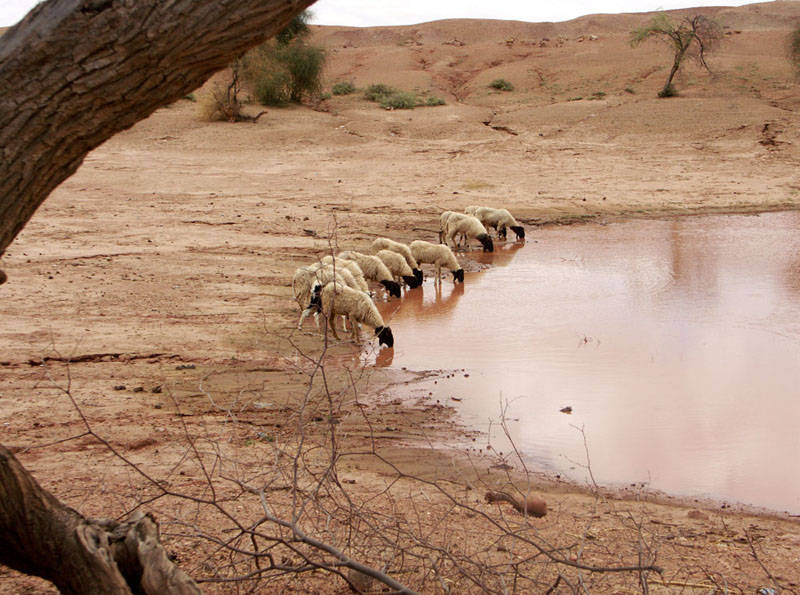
[(41, 536), (75, 72)]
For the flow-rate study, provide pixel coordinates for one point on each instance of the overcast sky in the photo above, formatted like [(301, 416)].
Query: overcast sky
[(364, 13)]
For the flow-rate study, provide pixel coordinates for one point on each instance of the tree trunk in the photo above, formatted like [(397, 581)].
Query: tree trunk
[(673, 71), (41, 536), (75, 72), (72, 74)]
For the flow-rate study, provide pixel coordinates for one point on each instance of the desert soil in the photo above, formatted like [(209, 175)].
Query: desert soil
[(150, 296)]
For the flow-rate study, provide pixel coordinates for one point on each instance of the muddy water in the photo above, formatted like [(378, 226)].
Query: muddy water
[(676, 343)]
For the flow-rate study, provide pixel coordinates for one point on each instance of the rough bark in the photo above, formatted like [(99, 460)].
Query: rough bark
[(41, 536), (75, 72)]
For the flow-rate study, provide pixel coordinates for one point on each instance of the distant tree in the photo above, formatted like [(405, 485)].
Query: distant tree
[(794, 50), (692, 37)]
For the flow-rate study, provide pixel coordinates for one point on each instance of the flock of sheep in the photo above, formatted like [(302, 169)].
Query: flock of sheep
[(337, 285)]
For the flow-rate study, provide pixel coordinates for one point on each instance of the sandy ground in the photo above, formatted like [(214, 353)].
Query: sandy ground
[(161, 271)]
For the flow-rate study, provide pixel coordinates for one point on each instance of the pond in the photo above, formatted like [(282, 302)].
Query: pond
[(675, 342)]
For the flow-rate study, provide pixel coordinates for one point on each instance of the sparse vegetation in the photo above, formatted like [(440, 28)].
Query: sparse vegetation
[(222, 104), (794, 51), (668, 91), (343, 88), (598, 95), (400, 100), (434, 101), (501, 85), (287, 69), (378, 91), (689, 37), (391, 98), (630, 90)]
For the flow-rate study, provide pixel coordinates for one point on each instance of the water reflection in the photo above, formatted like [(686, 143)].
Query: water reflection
[(677, 344)]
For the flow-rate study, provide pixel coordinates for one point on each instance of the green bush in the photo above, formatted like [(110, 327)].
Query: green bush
[(377, 92), (433, 101), (400, 100), (630, 90), (501, 85), (279, 74), (343, 88)]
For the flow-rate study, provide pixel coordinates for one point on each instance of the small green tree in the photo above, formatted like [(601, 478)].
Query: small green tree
[(287, 68), (689, 37)]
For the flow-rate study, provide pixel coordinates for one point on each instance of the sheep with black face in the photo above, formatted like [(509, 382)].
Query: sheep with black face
[(500, 219), (400, 248), (399, 268), (438, 255), (373, 269), (469, 227), (335, 299)]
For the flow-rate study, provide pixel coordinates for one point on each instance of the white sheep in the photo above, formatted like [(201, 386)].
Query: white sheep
[(469, 226), (400, 248), (500, 219), (437, 254), (399, 268), (349, 265), (334, 299), (373, 269), (443, 218)]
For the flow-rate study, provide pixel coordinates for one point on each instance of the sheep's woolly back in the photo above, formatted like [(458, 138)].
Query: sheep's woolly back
[(372, 266), (352, 267), (471, 210), (356, 305), (399, 247), (396, 264), (306, 277), (497, 218), (444, 218), (464, 224), (438, 254)]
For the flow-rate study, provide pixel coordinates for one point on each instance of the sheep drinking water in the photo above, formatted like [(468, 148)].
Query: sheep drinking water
[(500, 219), (400, 248), (439, 255), (334, 299), (469, 226)]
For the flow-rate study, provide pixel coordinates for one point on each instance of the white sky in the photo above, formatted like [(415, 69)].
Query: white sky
[(365, 13)]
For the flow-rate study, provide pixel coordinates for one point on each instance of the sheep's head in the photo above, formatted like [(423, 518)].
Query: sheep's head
[(418, 275), (412, 281), (315, 304), (488, 245), (519, 230), (393, 287), (4, 277), (458, 276), (385, 337)]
